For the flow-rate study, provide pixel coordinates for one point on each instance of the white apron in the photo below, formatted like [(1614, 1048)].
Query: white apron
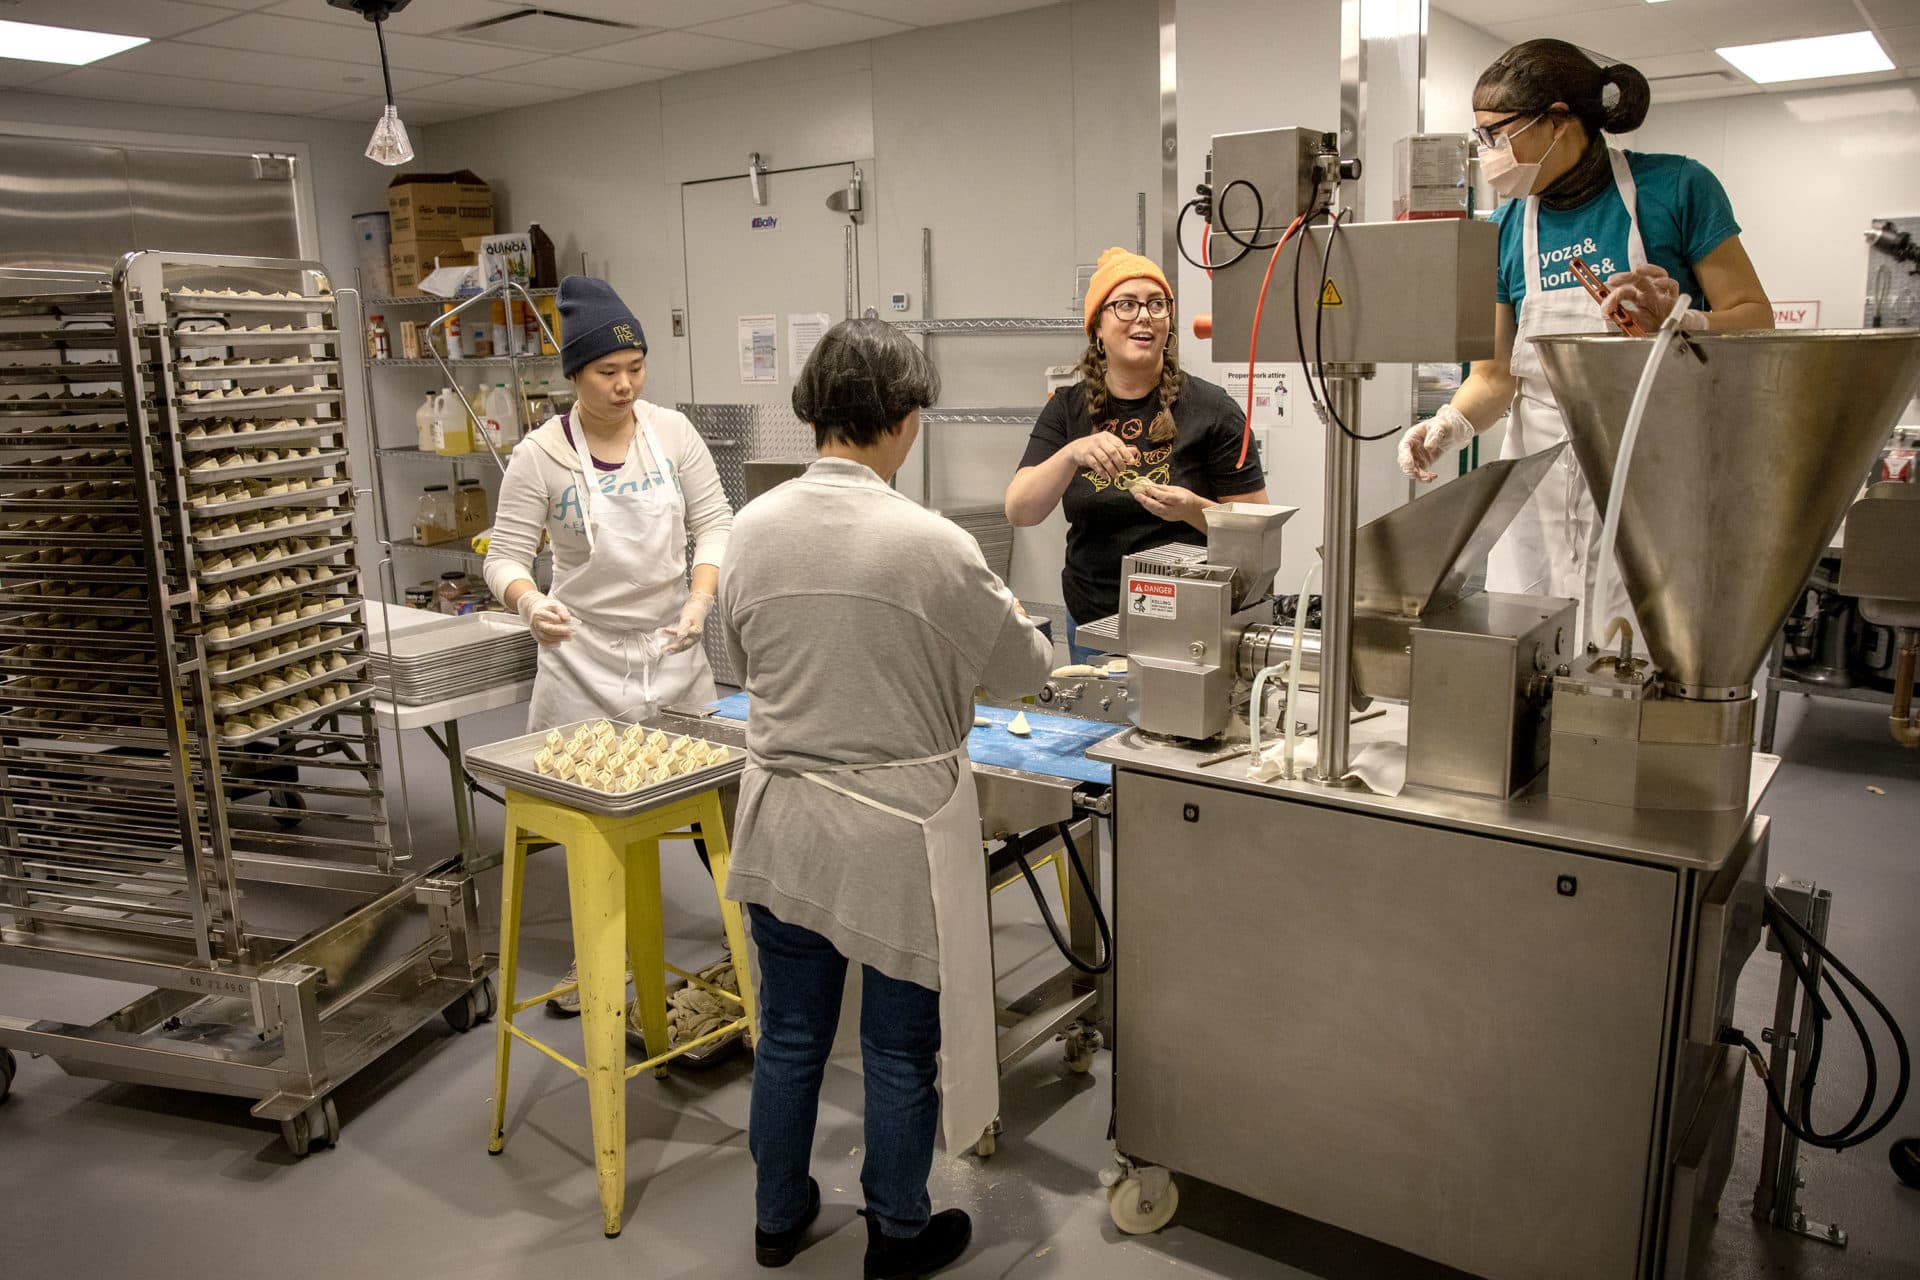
[(1550, 549), (636, 542), (969, 1037)]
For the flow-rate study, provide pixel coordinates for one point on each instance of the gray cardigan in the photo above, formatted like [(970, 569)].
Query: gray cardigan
[(863, 624)]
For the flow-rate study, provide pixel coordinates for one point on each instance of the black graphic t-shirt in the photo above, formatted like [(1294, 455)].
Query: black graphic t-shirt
[(1104, 520)]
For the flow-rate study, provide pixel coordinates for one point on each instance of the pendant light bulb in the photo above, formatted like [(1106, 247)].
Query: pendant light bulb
[(389, 144)]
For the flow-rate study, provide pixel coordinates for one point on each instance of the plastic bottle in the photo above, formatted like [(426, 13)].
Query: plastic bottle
[(501, 345), (379, 341), (503, 418), (530, 327), (546, 275), (452, 429), (456, 349), (425, 437)]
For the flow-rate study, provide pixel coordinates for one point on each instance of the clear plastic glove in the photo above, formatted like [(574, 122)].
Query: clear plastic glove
[(1102, 453), (546, 617), (686, 633), (1427, 442), (1647, 292)]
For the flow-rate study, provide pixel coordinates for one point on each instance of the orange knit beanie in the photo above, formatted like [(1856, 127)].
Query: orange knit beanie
[(1116, 267)]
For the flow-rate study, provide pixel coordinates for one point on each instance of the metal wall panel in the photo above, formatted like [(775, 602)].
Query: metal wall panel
[(63, 205), (81, 206)]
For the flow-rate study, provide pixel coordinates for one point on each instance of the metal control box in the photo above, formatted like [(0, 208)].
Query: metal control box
[(1280, 164), (1482, 692), (1396, 292)]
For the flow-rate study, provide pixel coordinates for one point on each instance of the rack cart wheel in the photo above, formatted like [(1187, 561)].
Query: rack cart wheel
[(1081, 1042), (291, 804), (318, 1126), (8, 1066), (1138, 1211), (990, 1140), (473, 1008)]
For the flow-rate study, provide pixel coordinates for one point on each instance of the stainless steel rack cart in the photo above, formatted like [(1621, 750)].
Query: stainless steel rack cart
[(191, 789)]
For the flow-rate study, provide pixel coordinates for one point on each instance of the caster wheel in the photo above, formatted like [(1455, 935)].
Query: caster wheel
[(1905, 1159), (9, 1066), (471, 1009), (987, 1145), (1138, 1217), (292, 806), (1081, 1042), (316, 1127)]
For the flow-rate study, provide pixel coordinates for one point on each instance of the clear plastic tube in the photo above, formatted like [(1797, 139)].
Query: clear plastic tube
[(1604, 568), (1294, 664)]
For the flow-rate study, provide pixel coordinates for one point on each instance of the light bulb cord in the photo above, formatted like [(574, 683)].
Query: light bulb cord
[(380, 34)]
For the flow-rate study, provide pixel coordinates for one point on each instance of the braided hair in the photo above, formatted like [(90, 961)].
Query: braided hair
[(1093, 372)]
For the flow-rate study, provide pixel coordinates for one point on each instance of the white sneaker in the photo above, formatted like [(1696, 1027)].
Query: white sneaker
[(567, 1005)]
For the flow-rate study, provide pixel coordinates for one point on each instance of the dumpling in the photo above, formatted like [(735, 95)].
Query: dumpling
[(543, 761), (656, 741), (555, 740), (563, 769), (660, 773), (602, 728), (596, 755), (605, 780)]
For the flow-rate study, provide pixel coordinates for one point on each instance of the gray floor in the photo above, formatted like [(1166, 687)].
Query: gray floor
[(106, 1179)]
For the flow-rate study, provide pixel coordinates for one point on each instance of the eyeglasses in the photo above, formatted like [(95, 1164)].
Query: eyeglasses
[(1127, 310), (1488, 135)]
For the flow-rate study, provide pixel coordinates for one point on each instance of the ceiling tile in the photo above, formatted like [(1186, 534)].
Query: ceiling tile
[(934, 13), (270, 33), (242, 4), (1660, 66), (420, 17), (185, 91), (1893, 13), (151, 18), (580, 75), (803, 26), (685, 51), (477, 94), (1620, 34), (17, 73), (661, 13), (1718, 23), (1902, 44), (174, 58), (1686, 88), (413, 112)]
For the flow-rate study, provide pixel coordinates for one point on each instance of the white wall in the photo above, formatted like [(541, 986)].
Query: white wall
[(1020, 141), (1457, 52), (1807, 172)]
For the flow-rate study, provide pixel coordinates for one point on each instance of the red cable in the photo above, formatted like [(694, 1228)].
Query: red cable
[(1253, 349), (1206, 259)]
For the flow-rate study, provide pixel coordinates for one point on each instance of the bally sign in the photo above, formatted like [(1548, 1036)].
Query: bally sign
[(766, 222), (1796, 315), (1151, 598)]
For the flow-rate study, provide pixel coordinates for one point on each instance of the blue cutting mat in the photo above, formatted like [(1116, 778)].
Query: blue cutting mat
[(1057, 747)]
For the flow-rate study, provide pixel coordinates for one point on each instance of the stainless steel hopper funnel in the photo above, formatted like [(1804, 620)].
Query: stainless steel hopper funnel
[(1744, 467)]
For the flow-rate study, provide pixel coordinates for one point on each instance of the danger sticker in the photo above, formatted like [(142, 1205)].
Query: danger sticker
[(1151, 598)]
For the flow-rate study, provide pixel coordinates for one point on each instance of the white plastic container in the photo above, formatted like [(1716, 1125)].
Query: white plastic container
[(452, 429), (503, 418), (426, 438)]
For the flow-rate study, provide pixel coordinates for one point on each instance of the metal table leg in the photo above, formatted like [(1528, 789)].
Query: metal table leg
[(1771, 716), (463, 816)]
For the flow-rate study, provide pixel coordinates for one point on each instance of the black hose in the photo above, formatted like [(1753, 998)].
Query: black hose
[(1797, 1113), (1060, 940)]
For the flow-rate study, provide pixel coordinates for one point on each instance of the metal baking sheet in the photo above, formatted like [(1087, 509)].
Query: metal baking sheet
[(53, 340), (256, 537), (294, 561), (1056, 747), (262, 439), (510, 763), (211, 510), (295, 688), (65, 435), (319, 586), (54, 406), (90, 302), (227, 406), (447, 636), (196, 302), (354, 696), (267, 666), (202, 339), (226, 371), (327, 459), (335, 616)]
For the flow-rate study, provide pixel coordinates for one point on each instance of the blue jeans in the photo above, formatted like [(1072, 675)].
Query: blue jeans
[(1077, 652), (800, 979)]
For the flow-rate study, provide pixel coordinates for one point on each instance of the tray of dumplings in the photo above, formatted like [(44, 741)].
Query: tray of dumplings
[(291, 705), (220, 567), (607, 766), (235, 497), (221, 301), (251, 433), (256, 464)]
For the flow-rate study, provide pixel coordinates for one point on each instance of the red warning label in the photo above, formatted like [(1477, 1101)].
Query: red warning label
[(1151, 598)]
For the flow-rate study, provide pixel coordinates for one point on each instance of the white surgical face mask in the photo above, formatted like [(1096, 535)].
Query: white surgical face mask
[(1508, 176)]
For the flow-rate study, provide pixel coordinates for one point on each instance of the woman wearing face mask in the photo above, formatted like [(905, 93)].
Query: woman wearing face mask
[(617, 484), (1136, 451), (1650, 226)]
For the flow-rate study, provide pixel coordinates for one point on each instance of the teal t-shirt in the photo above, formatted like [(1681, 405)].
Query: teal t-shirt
[(1684, 216)]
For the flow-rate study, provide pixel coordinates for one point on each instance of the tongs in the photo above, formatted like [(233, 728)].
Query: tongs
[(1625, 321)]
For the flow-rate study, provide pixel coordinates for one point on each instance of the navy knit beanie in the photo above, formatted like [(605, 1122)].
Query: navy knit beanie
[(593, 322)]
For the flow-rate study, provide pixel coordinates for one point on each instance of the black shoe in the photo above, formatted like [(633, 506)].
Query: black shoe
[(942, 1241), (776, 1249)]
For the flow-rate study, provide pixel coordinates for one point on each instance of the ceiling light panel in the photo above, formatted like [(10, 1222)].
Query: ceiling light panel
[(1816, 58)]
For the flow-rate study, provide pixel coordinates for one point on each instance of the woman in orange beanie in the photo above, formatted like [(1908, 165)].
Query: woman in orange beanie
[(1136, 451)]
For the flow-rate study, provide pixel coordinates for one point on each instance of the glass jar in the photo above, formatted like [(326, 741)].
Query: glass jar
[(447, 595), (470, 511), (434, 517)]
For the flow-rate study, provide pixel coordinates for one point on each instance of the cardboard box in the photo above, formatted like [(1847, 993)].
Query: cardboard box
[(414, 260), (439, 206)]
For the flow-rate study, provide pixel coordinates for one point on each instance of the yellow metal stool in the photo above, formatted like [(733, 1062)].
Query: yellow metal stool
[(613, 883)]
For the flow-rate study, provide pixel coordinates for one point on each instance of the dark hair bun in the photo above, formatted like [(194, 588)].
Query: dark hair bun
[(1629, 112)]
